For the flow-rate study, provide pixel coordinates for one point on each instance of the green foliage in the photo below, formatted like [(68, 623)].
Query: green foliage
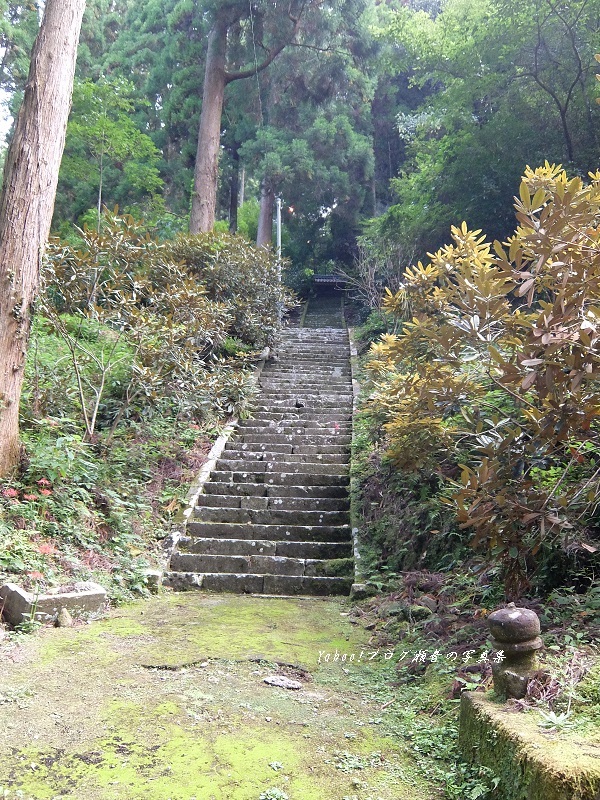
[(78, 511), (492, 384), (134, 341), (102, 131), (141, 321), (244, 279), (501, 85), (404, 525), (19, 24), (248, 219)]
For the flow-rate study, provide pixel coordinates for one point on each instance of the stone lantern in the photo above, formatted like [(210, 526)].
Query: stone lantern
[(515, 633)]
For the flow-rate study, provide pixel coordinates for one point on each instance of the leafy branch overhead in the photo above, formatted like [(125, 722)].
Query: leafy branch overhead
[(494, 377)]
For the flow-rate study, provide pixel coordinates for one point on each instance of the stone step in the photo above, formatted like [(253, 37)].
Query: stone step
[(266, 437), (293, 392), (317, 354), (275, 479), (325, 398), (277, 457), (328, 339), (286, 503), (282, 468), (294, 366), (250, 547), (319, 379), (314, 362), (322, 378), (316, 390), (291, 367), (289, 443), (266, 490), (292, 533), (306, 334), (290, 370), (301, 415), (257, 584), (320, 354), (261, 565), (296, 427), (264, 451), (289, 406), (271, 516), (307, 381), (249, 448)]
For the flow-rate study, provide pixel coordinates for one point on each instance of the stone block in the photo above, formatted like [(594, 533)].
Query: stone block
[(277, 565), (361, 591), (283, 584), (254, 502), (153, 580), (19, 605), (183, 581), (228, 582), (528, 764)]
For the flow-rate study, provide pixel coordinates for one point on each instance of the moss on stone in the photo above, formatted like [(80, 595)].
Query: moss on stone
[(529, 764), (335, 567)]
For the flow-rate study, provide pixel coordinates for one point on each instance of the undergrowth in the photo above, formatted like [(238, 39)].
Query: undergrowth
[(79, 511)]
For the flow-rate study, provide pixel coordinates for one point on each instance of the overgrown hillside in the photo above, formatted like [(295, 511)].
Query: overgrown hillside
[(139, 352)]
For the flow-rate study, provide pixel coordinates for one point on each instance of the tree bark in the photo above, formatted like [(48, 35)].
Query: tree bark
[(27, 201), (206, 172), (216, 78), (234, 191), (264, 237), (242, 198)]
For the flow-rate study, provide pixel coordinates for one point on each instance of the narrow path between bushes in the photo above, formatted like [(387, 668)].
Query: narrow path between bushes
[(166, 700)]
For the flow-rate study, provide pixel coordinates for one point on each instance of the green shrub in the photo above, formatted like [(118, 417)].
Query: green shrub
[(139, 321), (239, 275), (491, 382)]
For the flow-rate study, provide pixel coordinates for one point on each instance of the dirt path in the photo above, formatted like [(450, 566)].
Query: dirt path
[(166, 700)]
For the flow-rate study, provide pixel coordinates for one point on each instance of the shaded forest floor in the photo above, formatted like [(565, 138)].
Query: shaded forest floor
[(166, 699)]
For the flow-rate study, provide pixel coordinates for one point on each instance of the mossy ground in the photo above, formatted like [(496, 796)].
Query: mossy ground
[(165, 699)]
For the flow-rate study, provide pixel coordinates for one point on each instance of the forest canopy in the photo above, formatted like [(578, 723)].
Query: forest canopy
[(404, 117)]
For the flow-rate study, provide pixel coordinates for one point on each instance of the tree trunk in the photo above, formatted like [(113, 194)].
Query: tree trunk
[(234, 190), (206, 171), (27, 201), (242, 199), (216, 78), (264, 237)]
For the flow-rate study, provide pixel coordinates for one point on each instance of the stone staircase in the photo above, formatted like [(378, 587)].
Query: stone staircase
[(274, 516)]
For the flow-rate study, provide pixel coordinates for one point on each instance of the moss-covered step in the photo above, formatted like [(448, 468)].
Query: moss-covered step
[(529, 764)]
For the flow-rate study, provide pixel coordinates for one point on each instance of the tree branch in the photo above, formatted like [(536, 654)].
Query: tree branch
[(271, 54)]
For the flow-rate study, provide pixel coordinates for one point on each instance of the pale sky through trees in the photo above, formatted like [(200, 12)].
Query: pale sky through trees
[(5, 117)]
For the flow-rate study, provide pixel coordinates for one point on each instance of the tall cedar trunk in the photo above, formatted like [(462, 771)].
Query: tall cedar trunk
[(206, 171), (27, 201), (242, 199), (234, 190), (264, 237), (216, 78)]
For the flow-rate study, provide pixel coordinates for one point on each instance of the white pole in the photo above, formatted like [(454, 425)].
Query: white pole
[(279, 251), (279, 228)]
